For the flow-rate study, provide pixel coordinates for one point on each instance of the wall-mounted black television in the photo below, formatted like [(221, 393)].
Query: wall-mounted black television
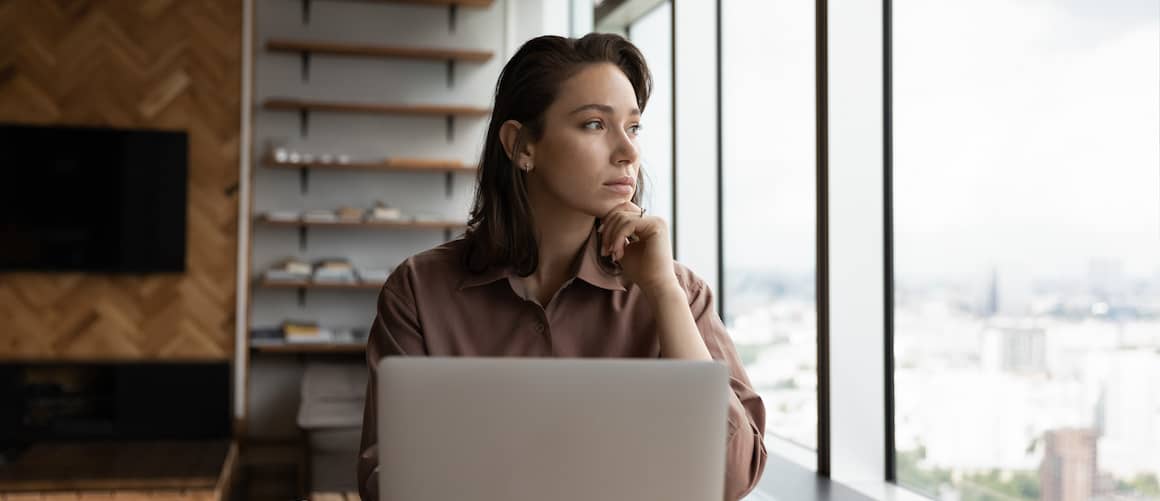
[(92, 199)]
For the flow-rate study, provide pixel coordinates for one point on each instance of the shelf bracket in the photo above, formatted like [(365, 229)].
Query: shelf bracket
[(449, 183), (305, 55), (452, 12), (450, 73), (303, 121), (450, 128), (301, 297), (305, 11), (302, 231), (303, 179)]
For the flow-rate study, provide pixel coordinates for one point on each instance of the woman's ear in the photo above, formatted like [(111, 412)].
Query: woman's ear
[(515, 144)]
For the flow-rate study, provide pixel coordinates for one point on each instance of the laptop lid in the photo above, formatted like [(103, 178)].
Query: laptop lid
[(521, 429)]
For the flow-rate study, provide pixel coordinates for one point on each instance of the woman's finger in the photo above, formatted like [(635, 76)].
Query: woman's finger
[(610, 229), (627, 207), (613, 227), (607, 228), (626, 227)]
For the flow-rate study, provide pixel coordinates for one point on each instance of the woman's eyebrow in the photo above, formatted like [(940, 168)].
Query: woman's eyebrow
[(602, 107)]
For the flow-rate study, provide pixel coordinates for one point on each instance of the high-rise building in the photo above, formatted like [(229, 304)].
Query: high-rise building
[(1015, 349), (991, 308), (1068, 469)]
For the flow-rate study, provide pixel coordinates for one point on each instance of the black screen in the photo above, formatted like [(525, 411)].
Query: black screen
[(92, 199)]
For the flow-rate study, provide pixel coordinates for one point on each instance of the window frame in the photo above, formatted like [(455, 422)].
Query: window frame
[(847, 33), (843, 42)]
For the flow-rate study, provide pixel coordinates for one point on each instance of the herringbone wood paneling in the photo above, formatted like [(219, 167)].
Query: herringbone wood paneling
[(171, 64)]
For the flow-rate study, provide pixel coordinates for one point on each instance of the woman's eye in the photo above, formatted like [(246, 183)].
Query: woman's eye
[(593, 125), (636, 128)]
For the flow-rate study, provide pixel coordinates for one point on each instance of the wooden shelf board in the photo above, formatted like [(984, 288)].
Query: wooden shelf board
[(370, 50), (310, 347), (396, 164), (407, 225), (280, 103), (287, 284)]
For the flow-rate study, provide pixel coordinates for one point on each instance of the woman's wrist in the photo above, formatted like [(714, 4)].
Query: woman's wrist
[(661, 291)]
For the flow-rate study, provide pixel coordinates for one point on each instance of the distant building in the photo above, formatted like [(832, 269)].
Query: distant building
[(1068, 469), (991, 308), (1015, 349), (1106, 279)]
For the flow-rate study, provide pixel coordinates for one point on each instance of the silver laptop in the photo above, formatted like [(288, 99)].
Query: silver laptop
[(520, 429)]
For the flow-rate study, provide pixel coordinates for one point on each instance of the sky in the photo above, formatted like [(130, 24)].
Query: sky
[(1027, 136)]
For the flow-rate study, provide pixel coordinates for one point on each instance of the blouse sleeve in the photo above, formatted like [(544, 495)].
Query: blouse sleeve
[(746, 454)]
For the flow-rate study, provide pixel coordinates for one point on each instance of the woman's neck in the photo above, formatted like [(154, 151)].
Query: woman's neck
[(561, 234)]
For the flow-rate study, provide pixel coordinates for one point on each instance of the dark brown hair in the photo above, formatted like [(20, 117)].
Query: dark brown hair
[(501, 230)]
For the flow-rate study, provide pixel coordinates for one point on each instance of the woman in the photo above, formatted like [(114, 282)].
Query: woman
[(559, 259)]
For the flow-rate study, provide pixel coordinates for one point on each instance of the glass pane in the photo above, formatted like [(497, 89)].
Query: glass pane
[(1027, 239), (769, 154), (653, 35)]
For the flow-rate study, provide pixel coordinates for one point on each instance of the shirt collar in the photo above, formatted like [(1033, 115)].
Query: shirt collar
[(589, 270)]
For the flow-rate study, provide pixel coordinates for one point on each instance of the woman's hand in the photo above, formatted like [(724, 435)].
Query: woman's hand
[(640, 244)]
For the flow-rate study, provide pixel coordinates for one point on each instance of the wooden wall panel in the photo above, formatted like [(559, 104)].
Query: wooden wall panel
[(167, 64)]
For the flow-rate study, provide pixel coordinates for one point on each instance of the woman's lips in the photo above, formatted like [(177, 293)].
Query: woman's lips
[(624, 189), (623, 185)]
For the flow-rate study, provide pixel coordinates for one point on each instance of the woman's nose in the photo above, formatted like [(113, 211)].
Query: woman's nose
[(626, 151)]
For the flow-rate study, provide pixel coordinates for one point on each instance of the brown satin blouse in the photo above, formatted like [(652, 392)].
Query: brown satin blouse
[(432, 305)]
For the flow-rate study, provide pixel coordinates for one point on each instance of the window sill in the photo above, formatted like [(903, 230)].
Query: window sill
[(791, 474)]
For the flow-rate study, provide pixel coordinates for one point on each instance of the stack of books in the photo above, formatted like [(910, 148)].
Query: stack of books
[(289, 269), (381, 212), (319, 216), (296, 331), (334, 270), (350, 214)]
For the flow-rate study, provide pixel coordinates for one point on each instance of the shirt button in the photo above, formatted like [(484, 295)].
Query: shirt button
[(540, 327)]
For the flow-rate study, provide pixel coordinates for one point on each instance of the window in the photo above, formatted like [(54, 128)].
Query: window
[(652, 34), (769, 211), (1027, 248)]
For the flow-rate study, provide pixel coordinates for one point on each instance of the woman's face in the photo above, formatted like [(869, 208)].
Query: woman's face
[(587, 158)]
